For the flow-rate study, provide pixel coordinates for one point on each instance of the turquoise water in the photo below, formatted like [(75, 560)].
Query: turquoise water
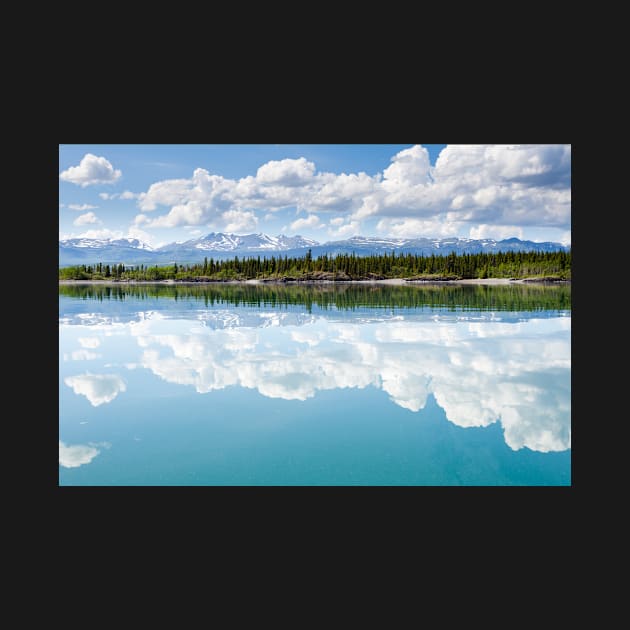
[(347, 385)]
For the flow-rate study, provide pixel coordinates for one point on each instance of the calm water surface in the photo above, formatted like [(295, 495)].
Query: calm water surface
[(345, 385)]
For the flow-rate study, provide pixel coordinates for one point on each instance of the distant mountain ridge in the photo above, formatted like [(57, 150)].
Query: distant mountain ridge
[(221, 242), (221, 245)]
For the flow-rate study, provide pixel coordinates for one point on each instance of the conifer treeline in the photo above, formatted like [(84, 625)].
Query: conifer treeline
[(341, 267)]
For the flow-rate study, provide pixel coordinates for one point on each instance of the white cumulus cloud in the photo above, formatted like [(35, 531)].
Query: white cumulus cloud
[(239, 220), (76, 455), (495, 231), (341, 193), (410, 167), (81, 207), (286, 172), (91, 170), (472, 189), (403, 227), (86, 219), (310, 222), (345, 229), (97, 388), (126, 194)]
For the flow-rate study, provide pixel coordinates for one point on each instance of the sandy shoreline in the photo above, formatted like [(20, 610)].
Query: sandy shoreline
[(389, 281)]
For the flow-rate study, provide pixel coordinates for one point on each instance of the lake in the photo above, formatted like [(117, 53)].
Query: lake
[(349, 384)]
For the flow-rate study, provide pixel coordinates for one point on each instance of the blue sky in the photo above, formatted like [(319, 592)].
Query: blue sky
[(165, 193)]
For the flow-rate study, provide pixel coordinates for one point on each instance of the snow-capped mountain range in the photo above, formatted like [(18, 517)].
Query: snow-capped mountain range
[(220, 242), (220, 245), (95, 243)]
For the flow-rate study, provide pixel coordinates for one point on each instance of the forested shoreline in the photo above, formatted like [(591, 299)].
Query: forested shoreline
[(343, 267)]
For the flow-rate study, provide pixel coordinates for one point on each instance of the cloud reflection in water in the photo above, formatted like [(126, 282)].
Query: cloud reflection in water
[(480, 370), (97, 388)]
